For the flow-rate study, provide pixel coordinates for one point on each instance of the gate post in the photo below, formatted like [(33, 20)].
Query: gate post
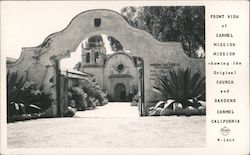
[(143, 91), (141, 96), (58, 87)]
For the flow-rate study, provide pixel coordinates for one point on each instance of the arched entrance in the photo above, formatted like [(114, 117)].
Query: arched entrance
[(120, 92), (153, 54)]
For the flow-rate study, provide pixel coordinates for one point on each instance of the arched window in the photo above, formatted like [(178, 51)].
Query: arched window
[(88, 58), (96, 57)]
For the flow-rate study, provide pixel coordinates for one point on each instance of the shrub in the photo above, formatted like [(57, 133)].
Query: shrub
[(87, 95), (77, 94), (94, 90), (182, 87), (24, 97), (70, 112)]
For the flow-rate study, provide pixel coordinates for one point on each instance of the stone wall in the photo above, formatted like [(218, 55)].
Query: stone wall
[(39, 62)]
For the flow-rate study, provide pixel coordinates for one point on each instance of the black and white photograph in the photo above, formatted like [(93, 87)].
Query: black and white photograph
[(84, 76)]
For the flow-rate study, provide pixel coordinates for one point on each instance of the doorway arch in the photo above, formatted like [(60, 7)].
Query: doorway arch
[(120, 92)]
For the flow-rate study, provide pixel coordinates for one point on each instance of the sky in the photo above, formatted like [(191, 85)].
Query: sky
[(28, 23)]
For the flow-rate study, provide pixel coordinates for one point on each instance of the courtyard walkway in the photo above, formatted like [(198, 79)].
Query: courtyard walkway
[(112, 125), (112, 109)]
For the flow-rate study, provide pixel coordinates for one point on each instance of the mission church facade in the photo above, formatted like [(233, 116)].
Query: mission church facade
[(116, 73)]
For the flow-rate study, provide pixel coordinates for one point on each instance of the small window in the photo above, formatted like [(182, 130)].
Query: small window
[(88, 58), (96, 57), (97, 22)]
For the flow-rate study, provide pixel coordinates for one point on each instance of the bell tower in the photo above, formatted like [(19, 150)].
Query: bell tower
[(93, 51)]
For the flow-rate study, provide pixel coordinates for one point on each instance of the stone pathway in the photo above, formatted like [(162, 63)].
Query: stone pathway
[(113, 125)]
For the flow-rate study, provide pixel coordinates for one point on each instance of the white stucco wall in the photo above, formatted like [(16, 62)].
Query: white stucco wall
[(112, 77), (96, 71)]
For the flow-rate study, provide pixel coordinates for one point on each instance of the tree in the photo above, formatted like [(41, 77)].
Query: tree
[(115, 44), (183, 24)]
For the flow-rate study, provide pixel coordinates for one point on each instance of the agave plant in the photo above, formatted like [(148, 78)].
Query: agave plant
[(182, 87), (14, 86), (16, 109), (24, 96)]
